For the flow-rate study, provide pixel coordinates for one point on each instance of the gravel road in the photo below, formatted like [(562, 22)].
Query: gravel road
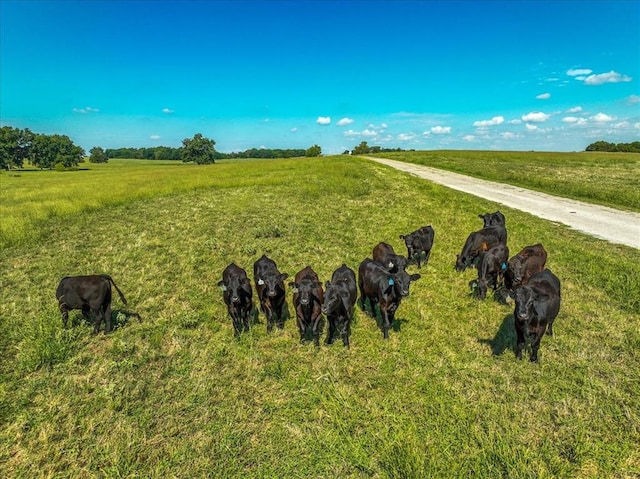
[(621, 227)]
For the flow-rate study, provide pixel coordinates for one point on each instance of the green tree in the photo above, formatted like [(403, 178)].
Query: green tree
[(362, 149), (15, 145), (198, 149), (48, 150), (314, 150), (97, 155)]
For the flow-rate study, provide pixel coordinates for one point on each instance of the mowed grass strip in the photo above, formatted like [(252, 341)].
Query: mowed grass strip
[(609, 179), (176, 395)]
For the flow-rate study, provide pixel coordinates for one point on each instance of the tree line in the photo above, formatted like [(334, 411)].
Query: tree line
[(633, 147), (43, 151)]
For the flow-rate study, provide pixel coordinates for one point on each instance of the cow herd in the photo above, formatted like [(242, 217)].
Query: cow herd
[(382, 281)]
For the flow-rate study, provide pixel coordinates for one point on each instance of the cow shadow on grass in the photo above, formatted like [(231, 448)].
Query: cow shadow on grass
[(505, 337), (119, 319), (396, 324)]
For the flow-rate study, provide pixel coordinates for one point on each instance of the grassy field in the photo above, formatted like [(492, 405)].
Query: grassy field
[(609, 179), (175, 395)]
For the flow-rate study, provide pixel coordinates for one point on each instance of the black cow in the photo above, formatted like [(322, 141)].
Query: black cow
[(537, 305), (91, 294), (270, 291), (419, 242), (308, 297), (237, 294), (493, 219), (383, 288), (492, 265), (384, 254), (339, 299), (526, 263), (477, 242)]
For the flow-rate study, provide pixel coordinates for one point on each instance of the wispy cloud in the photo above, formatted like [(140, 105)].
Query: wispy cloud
[(438, 130), (293, 130), (574, 120), (85, 110), (602, 78), (577, 72), (575, 109), (167, 110), (544, 96), (155, 137), (496, 120), (535, 116), (406, 136), (602, 118), (323, 120), (633, 99), (344, 121)]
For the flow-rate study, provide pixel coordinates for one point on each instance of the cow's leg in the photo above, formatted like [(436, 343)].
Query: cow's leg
[(246, 320), (97, 318), (345, 331), (301, 328), (519, 340), (107, 319), (332, 329), (550, 328), (386, 323), (235, 319), (535, 344), (426, 258), (317, 330), (64, 310)]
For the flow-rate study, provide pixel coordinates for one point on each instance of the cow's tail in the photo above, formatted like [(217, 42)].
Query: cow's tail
[(108, 278)]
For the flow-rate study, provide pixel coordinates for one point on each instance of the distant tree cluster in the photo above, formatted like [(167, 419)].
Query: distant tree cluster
[(364, 149), (633, 147), (43, 151), (155, 153)]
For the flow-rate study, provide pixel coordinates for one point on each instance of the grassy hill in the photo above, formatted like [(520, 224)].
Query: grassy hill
[(175, 395)]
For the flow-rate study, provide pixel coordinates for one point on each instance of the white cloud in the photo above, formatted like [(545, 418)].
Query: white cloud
[(574, 120), (496, 120), (602, 118), (406, 136), (536, 116), (574, 72), (441, 130), (167, 110), (544, 96), (531, 127), (637, 125), (469, 138), (85, 110), (602, 78), (575, 109), (622, 125), (515, 121), (344, 121), (507, 135), (293, 130), (323, 120), (633, 99), (368, 132), (155, 137)]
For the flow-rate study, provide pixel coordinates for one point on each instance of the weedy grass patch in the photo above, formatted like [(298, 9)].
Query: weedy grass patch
[(174, 394), (609, 179)]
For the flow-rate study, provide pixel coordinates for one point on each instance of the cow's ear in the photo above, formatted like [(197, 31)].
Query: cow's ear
[(222, 286), (326, 284), (245, 280), (260, 281), (401, 237), (415, 277), (284, 276), (293, 285)]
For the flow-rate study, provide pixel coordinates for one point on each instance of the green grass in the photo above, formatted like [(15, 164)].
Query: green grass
[(175, 395), (609, 179)]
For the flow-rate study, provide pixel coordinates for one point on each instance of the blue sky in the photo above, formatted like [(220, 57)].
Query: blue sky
[(506, 75)]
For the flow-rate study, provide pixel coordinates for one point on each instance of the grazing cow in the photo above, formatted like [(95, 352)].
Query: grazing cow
[(383, 288), (308, 297), (270, 291), (493, 219), (237, 295), (491, 267), (478, 241), (91, 294), (537, 305), (419, 242), (522, 266), (384, 254), (339, 299)]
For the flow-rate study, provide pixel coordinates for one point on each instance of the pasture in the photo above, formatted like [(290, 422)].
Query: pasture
[(175, 395), (609, 179)]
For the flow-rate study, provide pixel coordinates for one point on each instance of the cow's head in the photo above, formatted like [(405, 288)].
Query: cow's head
[(524, 298), (401, 280), (272, 283), (412, 242), (306, 290), (334, 298), (233, 287), (516, 268)]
